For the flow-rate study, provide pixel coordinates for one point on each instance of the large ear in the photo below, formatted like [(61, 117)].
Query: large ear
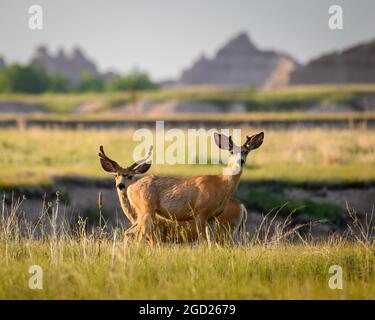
[(223, 142), (142, 168), (255, 141), (107, 165)]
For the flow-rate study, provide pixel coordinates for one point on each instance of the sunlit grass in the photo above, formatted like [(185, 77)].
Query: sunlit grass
[(277, 117), (34, 157), (83, 263), (292, 98), (81, 266), (88, 270)]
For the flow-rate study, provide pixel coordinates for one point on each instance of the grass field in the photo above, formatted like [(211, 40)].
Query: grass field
[(34, 157), (277, 117), (85, 268), (82, 266), (104, 265), (293, 98)]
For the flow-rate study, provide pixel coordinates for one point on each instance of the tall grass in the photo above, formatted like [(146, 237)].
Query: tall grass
[(81, 263)]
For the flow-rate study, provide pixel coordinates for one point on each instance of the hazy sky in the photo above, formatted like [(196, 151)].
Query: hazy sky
[(165, 36)]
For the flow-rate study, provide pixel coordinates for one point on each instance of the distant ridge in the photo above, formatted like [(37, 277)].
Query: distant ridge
[(70, 65), (238, 63), (353, 65)]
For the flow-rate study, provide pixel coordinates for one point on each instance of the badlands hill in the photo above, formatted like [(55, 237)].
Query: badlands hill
[(239, 63), (70, 65), (353, 65)]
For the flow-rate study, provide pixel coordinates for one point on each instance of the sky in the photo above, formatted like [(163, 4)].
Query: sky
[(164, 37)]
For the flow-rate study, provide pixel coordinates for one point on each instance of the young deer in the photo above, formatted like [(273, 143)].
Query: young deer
[(199, 198), (227, 224)]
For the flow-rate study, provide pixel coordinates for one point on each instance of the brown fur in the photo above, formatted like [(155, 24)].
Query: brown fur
[(226, 225), (179, 199), (196, 198)]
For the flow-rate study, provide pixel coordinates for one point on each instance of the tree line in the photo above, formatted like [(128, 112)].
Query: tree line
[(34, 79)]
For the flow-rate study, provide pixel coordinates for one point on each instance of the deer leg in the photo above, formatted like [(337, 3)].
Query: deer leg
[(145, 226), (133, 229)]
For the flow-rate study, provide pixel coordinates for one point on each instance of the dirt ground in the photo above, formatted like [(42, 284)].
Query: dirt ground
[(361, 200), (82, 199)]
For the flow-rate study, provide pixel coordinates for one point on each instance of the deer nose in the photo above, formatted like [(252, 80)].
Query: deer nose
[(121, 186)]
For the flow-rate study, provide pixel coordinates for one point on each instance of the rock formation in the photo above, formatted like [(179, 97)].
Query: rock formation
[(69, 65), (353, 65), (241, 63)]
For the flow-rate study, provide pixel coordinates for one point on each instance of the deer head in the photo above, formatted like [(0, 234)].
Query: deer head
[(124, 176), (238, 154)]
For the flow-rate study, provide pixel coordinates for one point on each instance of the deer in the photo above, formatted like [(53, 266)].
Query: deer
[(198, 198), (231, 223)]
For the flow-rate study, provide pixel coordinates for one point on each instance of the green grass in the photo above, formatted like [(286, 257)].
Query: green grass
[(33, 160), (65, 103), (35, 157), (80, 266), (87, 269), (293, 98), (265, 200), (278, 117)]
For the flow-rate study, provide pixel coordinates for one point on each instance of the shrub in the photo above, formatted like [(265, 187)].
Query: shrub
[(91, 83), (27, 79), (135, 80)]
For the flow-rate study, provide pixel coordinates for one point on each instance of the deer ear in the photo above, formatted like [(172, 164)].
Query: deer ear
[(223, 142), (107, 166), (143, 168), (255, 141)]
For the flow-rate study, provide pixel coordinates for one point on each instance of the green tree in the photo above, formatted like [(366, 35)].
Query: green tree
[(91, 83), (135, 80), (27, 79), (57, 83)]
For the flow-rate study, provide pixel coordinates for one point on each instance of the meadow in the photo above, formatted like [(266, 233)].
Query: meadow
[(78, 264), (34, 157), (89, 269), (33, 161), (290, 99)]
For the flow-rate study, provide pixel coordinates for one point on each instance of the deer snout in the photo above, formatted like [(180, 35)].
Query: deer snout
[(121, 186)]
